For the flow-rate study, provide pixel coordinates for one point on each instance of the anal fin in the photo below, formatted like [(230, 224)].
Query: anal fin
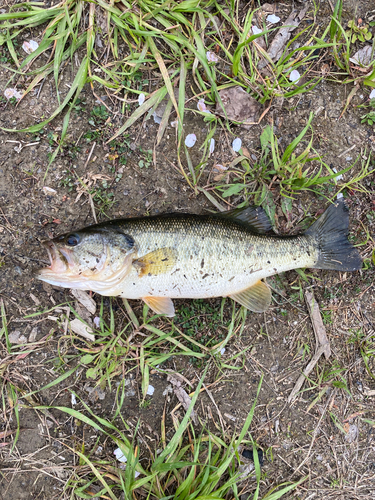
[(160, 305), (256, 298)]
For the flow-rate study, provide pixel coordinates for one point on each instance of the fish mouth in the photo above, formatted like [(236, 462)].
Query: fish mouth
[(59, 263)]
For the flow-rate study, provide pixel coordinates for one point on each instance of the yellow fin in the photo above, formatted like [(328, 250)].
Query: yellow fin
[(257, 297), (160, 305), (157, 262)]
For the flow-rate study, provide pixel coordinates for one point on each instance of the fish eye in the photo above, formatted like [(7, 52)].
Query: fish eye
[(72, 240)]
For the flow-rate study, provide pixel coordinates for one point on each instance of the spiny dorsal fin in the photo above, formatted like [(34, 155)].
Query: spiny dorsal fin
[(255, 217), (256, 298), (160, 305), (157, 262)]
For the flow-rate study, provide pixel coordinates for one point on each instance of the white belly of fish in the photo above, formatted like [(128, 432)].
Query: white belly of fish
[(200, 282)]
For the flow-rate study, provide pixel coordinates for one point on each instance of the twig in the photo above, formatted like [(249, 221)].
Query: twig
[(90, 154), (306, 372), (317, 322), (92, 208)]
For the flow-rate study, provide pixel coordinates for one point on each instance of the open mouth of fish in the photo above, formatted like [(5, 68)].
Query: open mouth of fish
[(59, 259)]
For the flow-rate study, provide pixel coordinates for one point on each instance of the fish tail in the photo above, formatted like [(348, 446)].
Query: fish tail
[(330, 232)]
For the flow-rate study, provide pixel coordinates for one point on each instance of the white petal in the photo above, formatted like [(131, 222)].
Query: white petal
[(174, 124), (97, 321), (141, 99), (294, 76), (201, 105), (157, 118), (222, 350), (120, 456), (372, 94), (48, 190), (9, 93), (273, 19), (256, 30), (212, 146), (190, 140), (219, 168), (74, 400), (30, 47), (340, 195), (150, 390), (339, 177), (211, 57), (236, 144)]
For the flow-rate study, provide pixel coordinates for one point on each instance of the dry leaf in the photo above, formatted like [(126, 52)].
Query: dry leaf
[(85, 299), (182, 396), (282, 37), (239, 106), (364, 56), (81, 329)]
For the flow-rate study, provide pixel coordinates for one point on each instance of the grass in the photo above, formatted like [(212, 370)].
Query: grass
[(174, 42), (187, 466), (139, 346), (146, 41)]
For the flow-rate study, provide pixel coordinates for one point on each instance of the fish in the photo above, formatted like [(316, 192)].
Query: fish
[(181, 255)]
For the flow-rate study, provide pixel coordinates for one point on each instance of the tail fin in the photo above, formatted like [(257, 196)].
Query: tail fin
[(331, 233)]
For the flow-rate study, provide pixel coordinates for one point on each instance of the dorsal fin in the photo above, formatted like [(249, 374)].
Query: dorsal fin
[(255, 217)]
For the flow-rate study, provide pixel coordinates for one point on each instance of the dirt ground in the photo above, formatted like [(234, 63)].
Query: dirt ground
[(327, 432)]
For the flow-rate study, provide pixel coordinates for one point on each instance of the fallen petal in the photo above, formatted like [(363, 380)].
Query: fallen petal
[(273, 19), (372, 94), (141, 99), (48, 190), (190, 140), (219, 168), (9, 93), (212, 146), (157, 118), (201, 105), (120, 456), (236, 144), (294, 76), (150, 390), (97, 321), (256, 30), (30, 47), (212, 57)]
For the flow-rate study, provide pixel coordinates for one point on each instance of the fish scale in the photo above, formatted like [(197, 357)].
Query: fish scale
[(215, 257)]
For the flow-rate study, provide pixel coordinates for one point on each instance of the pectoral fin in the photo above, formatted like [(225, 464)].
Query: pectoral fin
[(157, 262), (160, 305), (257, 297)]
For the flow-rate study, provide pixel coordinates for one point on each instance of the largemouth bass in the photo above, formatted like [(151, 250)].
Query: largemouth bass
[(162, 257)]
